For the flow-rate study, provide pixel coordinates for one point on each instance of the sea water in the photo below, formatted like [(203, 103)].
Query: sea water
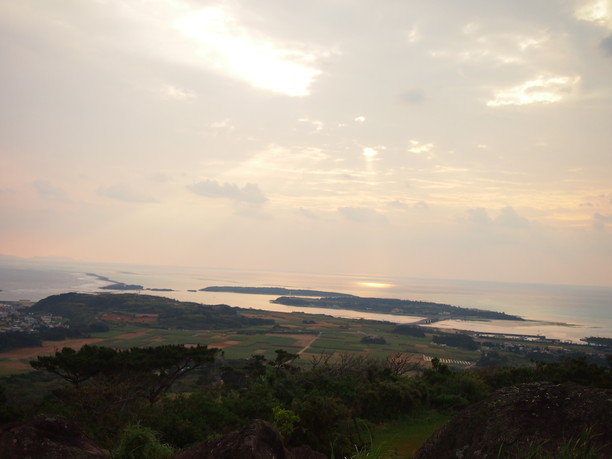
[(565, 312)]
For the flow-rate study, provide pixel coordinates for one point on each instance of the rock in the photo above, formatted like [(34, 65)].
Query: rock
[(258, 440), (47, 437), (536, 419)]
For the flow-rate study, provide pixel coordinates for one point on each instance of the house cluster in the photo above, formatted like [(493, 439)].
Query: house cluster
[(14, 316)]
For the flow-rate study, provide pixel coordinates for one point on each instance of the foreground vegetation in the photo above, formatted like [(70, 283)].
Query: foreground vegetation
[(170, 374), (339, 406)]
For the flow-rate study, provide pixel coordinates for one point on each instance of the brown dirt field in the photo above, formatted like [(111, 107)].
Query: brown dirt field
[(130, 335), (223, 344), (18, 359)]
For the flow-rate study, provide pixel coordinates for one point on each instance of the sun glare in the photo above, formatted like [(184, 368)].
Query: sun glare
[(230, 48), (375, 284)]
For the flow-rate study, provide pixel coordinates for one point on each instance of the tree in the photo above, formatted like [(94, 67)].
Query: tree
[(284, 359), (141, 372), (79, 366)]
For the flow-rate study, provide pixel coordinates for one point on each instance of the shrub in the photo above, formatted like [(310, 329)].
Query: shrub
[(139, 442)]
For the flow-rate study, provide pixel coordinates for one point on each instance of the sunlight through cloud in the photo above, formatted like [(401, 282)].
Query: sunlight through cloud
[(597, 11), (375, 284), (233, 50), (369, 153), (544, 90)]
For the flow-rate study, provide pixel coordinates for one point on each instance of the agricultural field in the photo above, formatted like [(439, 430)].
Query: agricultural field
[(146, 321), (304, 334)]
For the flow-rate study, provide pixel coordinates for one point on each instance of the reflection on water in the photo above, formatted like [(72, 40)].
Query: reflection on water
[(588, 309)]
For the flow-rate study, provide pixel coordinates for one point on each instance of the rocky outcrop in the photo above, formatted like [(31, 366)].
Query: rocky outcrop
[(47, 437), (528, 420), (258, 440)]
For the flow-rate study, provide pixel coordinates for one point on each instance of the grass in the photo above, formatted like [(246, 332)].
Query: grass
[(403, 437)]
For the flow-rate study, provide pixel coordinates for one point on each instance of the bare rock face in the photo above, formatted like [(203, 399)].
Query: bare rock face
[(534, 420), (258, 440), (47, 437)]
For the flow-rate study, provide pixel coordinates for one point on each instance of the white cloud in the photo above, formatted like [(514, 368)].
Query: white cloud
[(543, 89), (360, 119), (171, 92), (419, 148), (318, 125), (413, 35), (232, 49), (597, 11), (222, 126)]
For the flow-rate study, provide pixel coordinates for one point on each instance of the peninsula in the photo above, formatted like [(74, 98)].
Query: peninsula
[(277, 291)]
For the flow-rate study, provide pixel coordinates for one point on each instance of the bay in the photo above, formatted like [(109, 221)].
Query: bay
[(565, 312)]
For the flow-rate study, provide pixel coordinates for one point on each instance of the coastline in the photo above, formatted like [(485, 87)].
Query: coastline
[(187, 285)]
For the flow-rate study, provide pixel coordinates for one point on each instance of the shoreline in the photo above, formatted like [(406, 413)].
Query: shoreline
[(568, 322)]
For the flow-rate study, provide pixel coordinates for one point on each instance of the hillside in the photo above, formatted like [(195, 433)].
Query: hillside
[(83, 310)]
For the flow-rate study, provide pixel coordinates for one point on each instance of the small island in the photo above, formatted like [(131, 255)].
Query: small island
[(121, 286), (277, 291)]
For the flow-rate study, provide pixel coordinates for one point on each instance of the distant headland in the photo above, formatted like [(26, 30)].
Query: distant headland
[(276, 291)]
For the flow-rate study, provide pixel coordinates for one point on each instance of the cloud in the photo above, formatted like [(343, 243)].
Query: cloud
[(249, 193), (600, 221), (47, 190), (596, 11), (318, 125), (419, 148), (231, 48), (510, 218), (478, 216), (123, 193), (421, 205), (307, 213), (606, 45), (170, 92), (507, 217), (398, 204), (362, 215), (413, 35), (413, 96), (543, 89)]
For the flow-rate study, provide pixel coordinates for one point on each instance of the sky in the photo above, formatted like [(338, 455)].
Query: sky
[(457, 140)]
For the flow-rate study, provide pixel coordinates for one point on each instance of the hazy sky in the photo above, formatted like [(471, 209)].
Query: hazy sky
[(431, 138)]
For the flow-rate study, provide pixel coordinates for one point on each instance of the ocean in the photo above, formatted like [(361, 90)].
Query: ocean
[(565, 312)]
